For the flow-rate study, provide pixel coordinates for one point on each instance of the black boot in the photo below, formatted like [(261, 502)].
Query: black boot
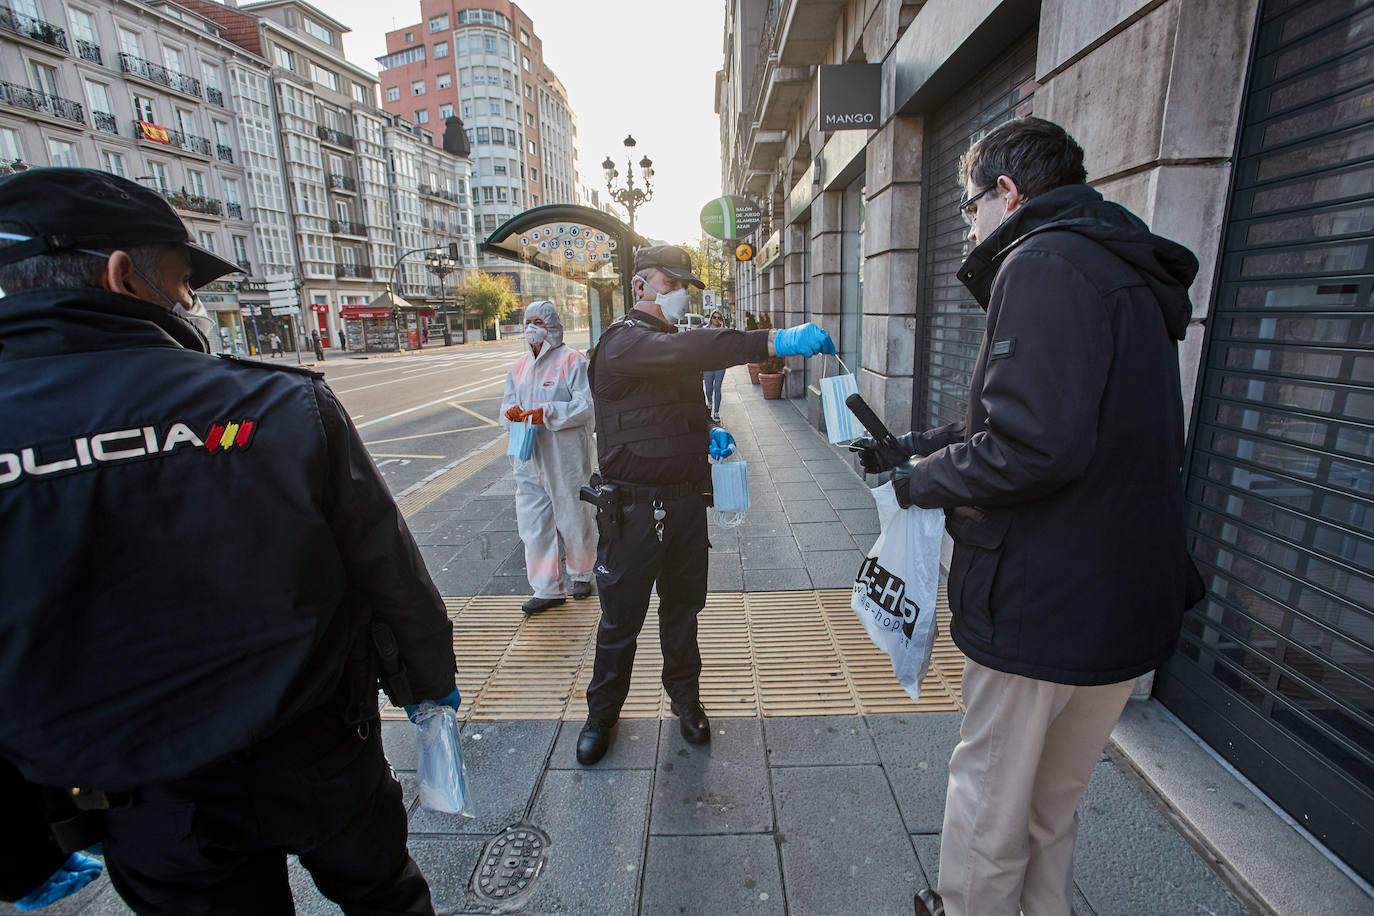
[(928, 903), (535, 605), (593, 741), (691, 717)]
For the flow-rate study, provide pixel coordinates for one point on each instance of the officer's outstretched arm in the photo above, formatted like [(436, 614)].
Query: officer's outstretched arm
[(380, 557), (655, 355)]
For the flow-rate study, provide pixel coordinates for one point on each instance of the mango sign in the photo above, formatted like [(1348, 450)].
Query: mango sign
[(730, 218)]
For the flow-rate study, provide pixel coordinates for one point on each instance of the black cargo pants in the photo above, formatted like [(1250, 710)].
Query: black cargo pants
[(216, 842), (626, 572)]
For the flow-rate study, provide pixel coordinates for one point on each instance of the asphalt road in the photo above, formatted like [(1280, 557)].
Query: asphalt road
[(419, 413)]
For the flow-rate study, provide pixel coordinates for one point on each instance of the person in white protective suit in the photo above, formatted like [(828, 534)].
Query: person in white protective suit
[(548, 387)]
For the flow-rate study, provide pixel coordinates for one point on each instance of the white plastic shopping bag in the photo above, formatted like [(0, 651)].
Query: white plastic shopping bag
[(894, 592), (730, 486), (841, 426), (443, 786), (521, 440)]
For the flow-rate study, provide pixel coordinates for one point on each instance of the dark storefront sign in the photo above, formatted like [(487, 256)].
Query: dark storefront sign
[(1276, 667), (850, 96), (953, 323)]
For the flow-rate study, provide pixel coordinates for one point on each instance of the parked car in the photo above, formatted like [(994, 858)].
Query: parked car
[(691, 321)]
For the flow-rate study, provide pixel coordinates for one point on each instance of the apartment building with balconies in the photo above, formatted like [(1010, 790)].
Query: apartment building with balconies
[(483, 61), (139, 90)]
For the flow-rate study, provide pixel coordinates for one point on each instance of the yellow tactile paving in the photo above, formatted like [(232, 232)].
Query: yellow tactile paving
[(422, 497), (763, 654)]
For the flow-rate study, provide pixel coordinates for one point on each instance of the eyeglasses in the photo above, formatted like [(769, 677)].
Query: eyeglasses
[(965, 204)]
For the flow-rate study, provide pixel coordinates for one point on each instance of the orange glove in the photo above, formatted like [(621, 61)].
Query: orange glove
[(535, 416), (515, 414)]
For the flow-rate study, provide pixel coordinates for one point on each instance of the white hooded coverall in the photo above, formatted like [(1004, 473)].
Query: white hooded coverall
[(546, 486)]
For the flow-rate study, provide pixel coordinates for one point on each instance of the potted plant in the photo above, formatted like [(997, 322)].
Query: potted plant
[(754, 324), (770, 377)]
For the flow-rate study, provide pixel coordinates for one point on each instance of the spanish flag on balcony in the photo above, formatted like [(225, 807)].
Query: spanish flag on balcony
[(153, 132)]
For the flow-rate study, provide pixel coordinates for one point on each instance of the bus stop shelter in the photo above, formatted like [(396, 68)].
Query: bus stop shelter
[(589, 251)]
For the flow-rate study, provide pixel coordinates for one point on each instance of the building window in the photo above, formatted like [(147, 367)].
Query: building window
[(240, 249), (494, 108), (10, 150), (196, 181), (441, 50), (446, 110), (316, 30), (393, 94), (529, 93), (530, 143), (525, 61), (207, 241), (364, 94), (114, 164), (422, 116), (482, 135), (499, 169), (443, 81), (63, 153), (417, 87), (410, 36), (524, 38), (510, 138), (324, 77), (401, 58), (284, 58), (534, 174), (467, 111), (529, 119), (438, 24)]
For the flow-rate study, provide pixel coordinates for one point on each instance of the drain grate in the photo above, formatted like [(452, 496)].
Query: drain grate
[(511, 862)]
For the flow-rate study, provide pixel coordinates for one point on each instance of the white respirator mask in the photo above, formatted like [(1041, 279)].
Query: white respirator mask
[(535, 335), (673, 305)]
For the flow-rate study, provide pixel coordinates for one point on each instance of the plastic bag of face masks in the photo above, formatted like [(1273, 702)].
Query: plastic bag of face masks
[(521, 440), (841, 426), (443, 786), (730, 484)]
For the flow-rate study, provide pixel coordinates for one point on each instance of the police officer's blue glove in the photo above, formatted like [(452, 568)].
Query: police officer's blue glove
[(75, 873), (452, 701), (722, 444), (803, 340)]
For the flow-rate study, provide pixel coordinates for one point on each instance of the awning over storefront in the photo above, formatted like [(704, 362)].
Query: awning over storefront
[(362, 311)]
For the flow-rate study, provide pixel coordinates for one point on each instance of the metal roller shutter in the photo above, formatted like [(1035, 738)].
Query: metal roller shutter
[(952, 321), (1276, 667)]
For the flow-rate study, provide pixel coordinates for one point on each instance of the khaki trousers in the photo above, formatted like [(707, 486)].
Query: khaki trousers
[(1026, 752)]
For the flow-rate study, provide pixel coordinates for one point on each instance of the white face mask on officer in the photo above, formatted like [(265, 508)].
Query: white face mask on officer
[(672, 304)]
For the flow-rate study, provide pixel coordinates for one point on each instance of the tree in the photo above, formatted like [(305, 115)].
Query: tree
[(708, 263), (493, 296)]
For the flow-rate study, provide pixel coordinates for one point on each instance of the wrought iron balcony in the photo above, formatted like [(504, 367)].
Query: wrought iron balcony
[(88, 51), (184, 200), (155, 73), (34, 28), (438, 192), (105, 121), (189, 142), (335, 137), (10, 168), (353, 271), (347, 227), (54, 105), (342, 183), (234, 210), (214, 96), (225, 153)]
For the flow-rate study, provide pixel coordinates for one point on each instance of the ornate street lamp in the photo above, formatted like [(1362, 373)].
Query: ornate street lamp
[(441, 262), (629, 196)]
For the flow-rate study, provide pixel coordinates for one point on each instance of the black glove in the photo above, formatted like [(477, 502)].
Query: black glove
[(901, 482), (875, 459)]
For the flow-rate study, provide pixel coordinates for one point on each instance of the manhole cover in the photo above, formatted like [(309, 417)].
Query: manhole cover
[(510, 863)]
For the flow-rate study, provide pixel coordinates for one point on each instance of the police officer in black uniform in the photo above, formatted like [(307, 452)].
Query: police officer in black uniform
[(653, 436), (204, 575)]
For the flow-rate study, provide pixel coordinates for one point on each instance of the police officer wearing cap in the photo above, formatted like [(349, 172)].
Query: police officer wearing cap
[(205, 576), (654, 436)]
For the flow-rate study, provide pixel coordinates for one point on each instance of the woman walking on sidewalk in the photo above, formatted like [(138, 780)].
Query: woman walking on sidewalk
[(713, 379)]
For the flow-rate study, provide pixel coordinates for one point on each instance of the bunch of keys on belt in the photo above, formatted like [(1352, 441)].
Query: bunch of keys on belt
[(659, 516)]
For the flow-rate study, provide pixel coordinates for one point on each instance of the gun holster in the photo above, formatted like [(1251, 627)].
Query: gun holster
[(609, 502)]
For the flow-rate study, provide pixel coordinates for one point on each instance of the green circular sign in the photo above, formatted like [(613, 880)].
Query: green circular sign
[(729, 218)]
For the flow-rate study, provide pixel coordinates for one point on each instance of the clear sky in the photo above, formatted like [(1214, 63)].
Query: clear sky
[(641, 67)]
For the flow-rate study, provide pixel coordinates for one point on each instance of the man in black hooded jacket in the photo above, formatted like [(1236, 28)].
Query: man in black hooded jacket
[(1063, 493)]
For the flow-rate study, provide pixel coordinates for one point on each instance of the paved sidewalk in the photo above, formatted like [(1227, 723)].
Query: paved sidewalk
[(803, 815)]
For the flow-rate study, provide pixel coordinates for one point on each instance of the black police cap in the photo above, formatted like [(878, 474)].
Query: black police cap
[(63, 209), (671, 260)]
